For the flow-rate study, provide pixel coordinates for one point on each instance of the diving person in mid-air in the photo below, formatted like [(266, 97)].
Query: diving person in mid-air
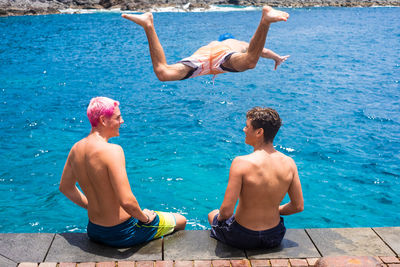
[(225, 55)]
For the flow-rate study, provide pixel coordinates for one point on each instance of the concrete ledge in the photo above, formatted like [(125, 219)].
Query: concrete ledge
[(76, 247), (197, 245), (7, 262), (349, 241), (298, 247), (391, 236), (25, 247), (296, 244)]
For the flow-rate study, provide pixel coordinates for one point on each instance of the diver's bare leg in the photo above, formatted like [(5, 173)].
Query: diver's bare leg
[(249, 59), (163, 71)]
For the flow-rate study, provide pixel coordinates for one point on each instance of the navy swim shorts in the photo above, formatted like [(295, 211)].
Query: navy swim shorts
[(132, 232), (233, 234)]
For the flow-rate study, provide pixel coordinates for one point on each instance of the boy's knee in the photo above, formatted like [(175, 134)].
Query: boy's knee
[(161, 73), (251, 61), (211, 215), (251, 64), (180, 221)]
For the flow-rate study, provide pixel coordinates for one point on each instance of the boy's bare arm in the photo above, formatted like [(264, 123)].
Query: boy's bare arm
[(68, 186), (232, 191), (120, 183), (296, 203)]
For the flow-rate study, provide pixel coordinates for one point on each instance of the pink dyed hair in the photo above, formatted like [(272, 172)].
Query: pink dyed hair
[(99, 106)]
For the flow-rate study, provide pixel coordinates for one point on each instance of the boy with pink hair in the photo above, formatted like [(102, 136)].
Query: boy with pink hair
[(100, 106), (115, 217)]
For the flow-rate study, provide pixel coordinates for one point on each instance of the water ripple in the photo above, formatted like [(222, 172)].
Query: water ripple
[(338, 96)]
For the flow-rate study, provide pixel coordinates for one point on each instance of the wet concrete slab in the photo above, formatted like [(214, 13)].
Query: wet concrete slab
[(198, 245), (76, 247), (25, 247), (295, 244), (391, 236), (349, 241)]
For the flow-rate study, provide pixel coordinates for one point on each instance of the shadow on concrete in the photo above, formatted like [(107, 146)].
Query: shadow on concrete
[(89, 246), (295, 244), (224, 251), (286, 243), (197, 245), (77, 247)]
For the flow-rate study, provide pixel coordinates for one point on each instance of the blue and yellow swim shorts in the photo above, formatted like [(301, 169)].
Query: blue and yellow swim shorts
[(132, 231)]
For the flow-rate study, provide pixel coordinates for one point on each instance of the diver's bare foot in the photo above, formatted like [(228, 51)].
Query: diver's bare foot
[(270, 15), (280, 60), (144, 20)]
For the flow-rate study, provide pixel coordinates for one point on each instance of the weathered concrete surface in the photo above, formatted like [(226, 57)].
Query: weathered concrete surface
[(25, 247), (76, 247), (197, 245), (7, 262), (296, 244), (349, 241), (391, 236)]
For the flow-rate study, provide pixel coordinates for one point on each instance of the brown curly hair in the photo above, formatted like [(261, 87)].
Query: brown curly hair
[(266, 118)]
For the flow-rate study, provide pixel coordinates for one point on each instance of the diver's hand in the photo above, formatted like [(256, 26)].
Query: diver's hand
[(280, 60)]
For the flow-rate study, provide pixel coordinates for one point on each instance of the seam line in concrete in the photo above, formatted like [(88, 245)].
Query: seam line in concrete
[(8, 258), (162, 248), (384, 241), (312, 241), (48, 250)]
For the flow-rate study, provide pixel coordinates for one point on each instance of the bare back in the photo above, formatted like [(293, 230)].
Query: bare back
[(235, 45), (265, 181), (90, 159)]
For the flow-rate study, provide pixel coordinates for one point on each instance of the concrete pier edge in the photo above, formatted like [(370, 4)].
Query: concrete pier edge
[(300, 247)]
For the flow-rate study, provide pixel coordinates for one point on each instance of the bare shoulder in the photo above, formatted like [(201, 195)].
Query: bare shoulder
[(289, 163), (112, 155), (244, 159), (287, 160), (76, 147), (113, 149), (236, 45), (245, 44), (243, 162)]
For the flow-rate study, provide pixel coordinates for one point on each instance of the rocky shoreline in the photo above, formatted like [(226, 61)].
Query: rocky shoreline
[(41, 7)]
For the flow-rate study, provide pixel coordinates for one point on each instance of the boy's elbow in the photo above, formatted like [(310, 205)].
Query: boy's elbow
[(128, 204), (251, 65), (225, 214), (300, 207), (62, 189)]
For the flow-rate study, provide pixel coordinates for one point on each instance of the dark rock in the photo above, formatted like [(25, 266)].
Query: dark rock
[(88, 3), (32, 7)]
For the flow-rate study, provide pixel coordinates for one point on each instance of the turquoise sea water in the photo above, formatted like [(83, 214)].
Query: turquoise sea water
[(338, 96)]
